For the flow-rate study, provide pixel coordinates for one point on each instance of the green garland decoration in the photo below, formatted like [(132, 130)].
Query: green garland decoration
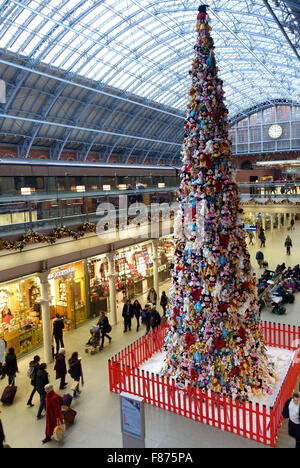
[(32, 237)]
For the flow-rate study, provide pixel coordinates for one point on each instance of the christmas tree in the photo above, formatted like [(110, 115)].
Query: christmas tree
[(215, 339)]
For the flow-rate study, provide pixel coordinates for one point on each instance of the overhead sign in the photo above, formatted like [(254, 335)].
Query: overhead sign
[(60, 273), (250, 227)]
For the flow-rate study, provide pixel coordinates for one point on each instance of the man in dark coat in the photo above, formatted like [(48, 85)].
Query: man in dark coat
[(291, 411), (58, 326), (61, 368), (104, 327), (146, 317), (11, 367), (42, 379), (127, 315), (155, 318), (33, 366)]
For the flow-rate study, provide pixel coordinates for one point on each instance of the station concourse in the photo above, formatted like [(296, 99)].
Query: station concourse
[(150, 147)]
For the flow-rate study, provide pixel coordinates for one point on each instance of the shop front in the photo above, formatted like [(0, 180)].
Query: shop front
[(166, 255), (20, 314), (67, 293), (134, 268), (98, 284)]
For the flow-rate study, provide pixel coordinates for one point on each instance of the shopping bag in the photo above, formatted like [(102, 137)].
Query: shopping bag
[(59, 432)]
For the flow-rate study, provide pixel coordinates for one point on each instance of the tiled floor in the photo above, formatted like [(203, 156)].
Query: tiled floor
[(98, 418)]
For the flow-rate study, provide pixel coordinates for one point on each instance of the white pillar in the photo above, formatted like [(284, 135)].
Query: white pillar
[(272, 222), (112, 287), (45, 309), (279, 220), (264, 221), (155, 259)]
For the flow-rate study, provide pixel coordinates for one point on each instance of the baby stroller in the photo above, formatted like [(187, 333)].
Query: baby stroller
[(93, 345)]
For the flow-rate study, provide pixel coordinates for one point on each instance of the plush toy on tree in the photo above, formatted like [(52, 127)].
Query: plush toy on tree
[(215, 339)]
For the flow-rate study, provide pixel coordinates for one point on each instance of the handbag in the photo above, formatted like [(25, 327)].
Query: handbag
[(59, 431)]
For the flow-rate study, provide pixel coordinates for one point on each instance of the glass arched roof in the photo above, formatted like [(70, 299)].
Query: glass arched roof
[(146, 47)]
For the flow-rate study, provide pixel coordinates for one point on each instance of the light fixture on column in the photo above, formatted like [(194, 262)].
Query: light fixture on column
[(122, 187), (80, 188), (106, 188), (161, 185)]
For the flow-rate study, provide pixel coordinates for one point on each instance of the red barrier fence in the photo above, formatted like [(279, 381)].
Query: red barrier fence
[(254, 421)]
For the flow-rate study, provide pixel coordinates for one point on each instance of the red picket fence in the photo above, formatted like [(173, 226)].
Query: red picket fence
[(253, 421)]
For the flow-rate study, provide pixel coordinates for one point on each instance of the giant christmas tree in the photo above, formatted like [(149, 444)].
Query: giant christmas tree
[(215, 339)]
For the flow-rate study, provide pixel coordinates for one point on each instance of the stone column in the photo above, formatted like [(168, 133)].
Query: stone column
[(284, 219), (272, 222), (45, 313), (112, 287), (155, 259), (264, 221)]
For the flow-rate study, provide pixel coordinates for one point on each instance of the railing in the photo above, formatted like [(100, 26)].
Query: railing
[(254, 421), (44, 212)]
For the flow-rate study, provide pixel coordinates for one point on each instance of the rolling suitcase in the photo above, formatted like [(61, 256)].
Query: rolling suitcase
[(69, 414), (9, 394)]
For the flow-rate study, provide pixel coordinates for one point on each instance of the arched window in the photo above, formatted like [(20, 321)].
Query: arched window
[(247, 165)]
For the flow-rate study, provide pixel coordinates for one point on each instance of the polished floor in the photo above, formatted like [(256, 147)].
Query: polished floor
[(98, 419)]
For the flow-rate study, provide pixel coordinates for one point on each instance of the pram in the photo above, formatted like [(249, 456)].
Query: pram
[(93, 345)]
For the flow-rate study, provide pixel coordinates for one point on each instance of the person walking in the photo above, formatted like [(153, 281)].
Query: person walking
[(164, 300), (75, 370), (146, 318), (33, 367), (58, 326), (152, 296), (260, 258), (288, 244), (104, 327), (61, 368), (262, 238), (137, 310), (251, 237), (291, 411), (155, 318), (127, 315), (11, 367), (53, 412), (42, 379), (292, 224)]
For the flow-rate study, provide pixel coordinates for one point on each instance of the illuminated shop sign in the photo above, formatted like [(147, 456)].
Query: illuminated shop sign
[(60, 273)]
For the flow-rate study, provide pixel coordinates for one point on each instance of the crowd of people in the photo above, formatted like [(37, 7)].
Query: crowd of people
[(50, 403), (287, 284), (148, 314)]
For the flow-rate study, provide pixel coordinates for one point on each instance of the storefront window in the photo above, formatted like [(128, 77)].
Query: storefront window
[(135, 270), (20, 314), (98, 282), (67, 294)]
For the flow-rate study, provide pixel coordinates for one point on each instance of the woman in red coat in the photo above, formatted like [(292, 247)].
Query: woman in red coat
[(53, 412)]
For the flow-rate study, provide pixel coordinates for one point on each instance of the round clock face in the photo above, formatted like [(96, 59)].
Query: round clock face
[(275, 131)]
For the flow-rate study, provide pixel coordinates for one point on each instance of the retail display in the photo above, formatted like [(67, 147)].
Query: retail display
[(20, 320), (215, 339), (133, 266), (67, 294)]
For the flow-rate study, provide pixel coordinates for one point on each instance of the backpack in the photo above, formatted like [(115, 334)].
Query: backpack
[(31, 372)]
